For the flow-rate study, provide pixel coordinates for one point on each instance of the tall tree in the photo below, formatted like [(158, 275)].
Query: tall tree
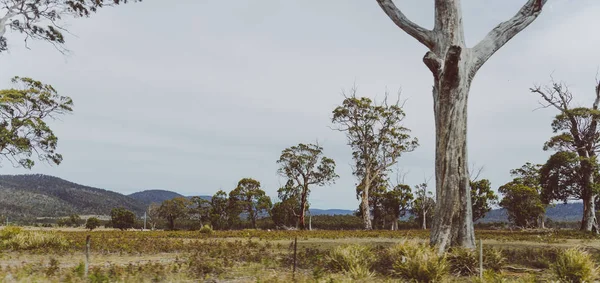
[(153, 215), (482, 198), (396, 203), (577, 132), (379, 187), (377, 138), (454, 66), (174, 209), (24, 111), (219, 210), (200, 209), (42, 19), (423, 207), (249, 197), (306, 166)]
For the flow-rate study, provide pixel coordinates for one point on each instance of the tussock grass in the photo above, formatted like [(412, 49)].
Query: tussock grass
[(417, 262), (574, 265), (355, 260)]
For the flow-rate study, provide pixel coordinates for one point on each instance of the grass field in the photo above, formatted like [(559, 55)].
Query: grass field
[(57, 255)]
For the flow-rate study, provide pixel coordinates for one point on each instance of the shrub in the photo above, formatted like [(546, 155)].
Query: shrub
[(33, 240), (9, 232), (574, 265), (356, 260), (463, 262), (418, 262), (200, 266), (206, 229), (92, 223), (493, 259)]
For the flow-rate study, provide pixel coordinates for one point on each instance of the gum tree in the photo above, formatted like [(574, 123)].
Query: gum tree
[(454, 66), (305, 166), (377, 138), (42, 19)]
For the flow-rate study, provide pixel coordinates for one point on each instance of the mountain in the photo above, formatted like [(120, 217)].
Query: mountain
[(149, 196), (564, 212), (47, 196), (315, 211)]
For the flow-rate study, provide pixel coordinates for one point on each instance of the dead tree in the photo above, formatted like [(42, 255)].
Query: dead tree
[(454, 66)]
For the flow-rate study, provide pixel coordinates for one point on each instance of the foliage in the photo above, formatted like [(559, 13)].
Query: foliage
[(357, 260), (423, 207), (249, 197), (219, 210), (41, 20), (493, 259), (560, 178), (200, 209), (173, 209), (23, 130), (482, 198), (376, 137), (522, 204), (122, 218), (463, 262), (92, 223), (418, 262), (17, 239), (206, 230), (304, 165), (575, 265)]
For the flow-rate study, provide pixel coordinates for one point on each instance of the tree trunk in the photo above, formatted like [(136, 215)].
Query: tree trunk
[(542, 221), (589, 222), (424, 226), (453, 221), (366, 211), (303, 209)]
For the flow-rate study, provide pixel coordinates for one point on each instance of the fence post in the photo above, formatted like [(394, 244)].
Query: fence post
[(87, 254), (481, 259), (295, 247)]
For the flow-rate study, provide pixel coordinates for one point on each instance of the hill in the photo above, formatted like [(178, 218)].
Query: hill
[(24, 196), (149, 196), (567, 212)]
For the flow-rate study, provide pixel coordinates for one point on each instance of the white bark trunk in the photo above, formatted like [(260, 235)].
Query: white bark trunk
[(453, 67)]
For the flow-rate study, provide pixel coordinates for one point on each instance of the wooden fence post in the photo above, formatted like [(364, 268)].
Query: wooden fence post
[(481, 259), (295, 247), (87, 254)]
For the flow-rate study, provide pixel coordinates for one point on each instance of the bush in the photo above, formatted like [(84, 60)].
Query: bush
[(9, 232), (418, 262), (463, 262), (206, 229), (356, 260), (493, 259), (574, 265), (33, 240), (92, 223)]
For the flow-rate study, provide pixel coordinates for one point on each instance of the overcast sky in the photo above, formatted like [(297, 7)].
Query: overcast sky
[(191, 96)]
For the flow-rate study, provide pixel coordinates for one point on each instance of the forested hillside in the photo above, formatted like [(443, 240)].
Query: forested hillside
[(46, 196), (149, 196)]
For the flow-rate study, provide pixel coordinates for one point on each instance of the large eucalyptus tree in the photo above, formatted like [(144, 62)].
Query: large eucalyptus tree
[(454, 65)]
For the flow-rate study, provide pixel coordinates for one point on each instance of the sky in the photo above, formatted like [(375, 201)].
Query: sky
[(193, 96)]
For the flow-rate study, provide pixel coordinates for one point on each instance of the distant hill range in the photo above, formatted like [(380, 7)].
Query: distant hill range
[(36, 195)]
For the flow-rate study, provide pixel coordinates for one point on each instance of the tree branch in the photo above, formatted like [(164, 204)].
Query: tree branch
[(505, 31), (419, 33)]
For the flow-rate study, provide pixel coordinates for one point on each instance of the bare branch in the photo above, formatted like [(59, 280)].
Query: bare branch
[(505, 31), (419, 33), (472, 170)]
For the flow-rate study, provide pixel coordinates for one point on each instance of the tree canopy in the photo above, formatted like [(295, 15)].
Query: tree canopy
[(377, 138), (304, 165), (23, 129)]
